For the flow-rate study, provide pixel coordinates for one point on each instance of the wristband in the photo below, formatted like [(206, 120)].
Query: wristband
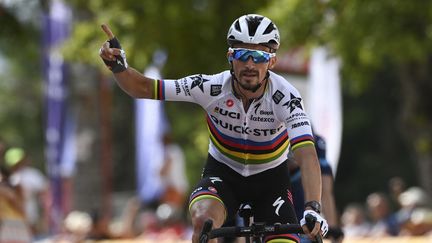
[(314, 205), (120, 64)]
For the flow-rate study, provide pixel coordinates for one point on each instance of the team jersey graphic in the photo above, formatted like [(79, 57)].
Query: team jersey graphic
[(247, 141)]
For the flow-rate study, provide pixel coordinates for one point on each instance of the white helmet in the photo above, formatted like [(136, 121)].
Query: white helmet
[(254, 29)]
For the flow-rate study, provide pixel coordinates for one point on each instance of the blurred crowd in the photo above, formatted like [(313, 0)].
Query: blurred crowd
[(24, 200), (400, 211)]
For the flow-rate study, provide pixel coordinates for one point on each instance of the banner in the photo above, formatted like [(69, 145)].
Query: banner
[(324, 102), (150, 123), (56, 28)]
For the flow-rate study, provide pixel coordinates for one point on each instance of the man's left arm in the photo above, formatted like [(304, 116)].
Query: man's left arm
[(311, 179), (307, 159)]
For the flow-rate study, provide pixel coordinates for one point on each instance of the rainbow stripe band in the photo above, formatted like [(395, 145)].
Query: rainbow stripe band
[(302, 141), (206, 195), (241, 145), (251, 152), (159, 89)]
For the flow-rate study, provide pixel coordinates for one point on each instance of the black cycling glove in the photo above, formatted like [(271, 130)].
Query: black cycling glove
[(120, 64)]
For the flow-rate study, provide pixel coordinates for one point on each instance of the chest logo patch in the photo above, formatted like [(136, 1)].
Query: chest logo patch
[(278, 96), (215, 89)]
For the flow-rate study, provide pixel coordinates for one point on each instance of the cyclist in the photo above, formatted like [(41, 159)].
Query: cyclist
[(254, 117)]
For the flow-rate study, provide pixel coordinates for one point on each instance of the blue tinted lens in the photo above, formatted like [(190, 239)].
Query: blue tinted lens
[(257, 56)]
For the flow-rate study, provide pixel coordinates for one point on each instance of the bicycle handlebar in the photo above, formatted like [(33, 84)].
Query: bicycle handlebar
[(256, 229)]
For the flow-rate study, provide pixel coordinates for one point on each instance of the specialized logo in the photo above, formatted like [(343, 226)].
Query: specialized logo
[(214, 179), (256, 107), (278, 204), (215, 89), (293, 103), (199, 81), (278, 96)]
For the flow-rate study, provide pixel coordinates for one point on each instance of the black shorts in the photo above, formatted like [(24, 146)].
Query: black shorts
[(268, 193)]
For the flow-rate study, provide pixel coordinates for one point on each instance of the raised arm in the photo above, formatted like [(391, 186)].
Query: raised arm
[(131, 81)]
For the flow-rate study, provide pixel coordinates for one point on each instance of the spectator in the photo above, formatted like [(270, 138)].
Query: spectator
[(415, 215), (354, 221), (13, 224), (76, 226), (34, 188), (384, 222), (396, 186), (173, 174)]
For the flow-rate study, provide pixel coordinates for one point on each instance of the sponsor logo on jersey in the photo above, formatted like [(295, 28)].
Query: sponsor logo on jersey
[(245, 129), (256, 107), (261, 119), (278, 96), (177, 87), (278, 204), (293, 103), (198, 81), (212, 189), (299, 124), (229, 103), (296, 116), (215, 89), (290, 196), (266, 113), (185, 87), (197, 190), (227, 113), (214, 179)]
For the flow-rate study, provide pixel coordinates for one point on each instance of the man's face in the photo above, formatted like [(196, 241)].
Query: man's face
[(249, 73)]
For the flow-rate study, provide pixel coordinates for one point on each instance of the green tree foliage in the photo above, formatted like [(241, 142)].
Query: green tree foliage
[(385, 47), (20, 81)]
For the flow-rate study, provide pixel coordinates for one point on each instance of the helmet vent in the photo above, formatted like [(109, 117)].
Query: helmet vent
[(253, 24), (237, 26), (269, 28)]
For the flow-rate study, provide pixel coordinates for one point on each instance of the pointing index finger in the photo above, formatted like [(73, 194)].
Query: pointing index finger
[(107, 31)]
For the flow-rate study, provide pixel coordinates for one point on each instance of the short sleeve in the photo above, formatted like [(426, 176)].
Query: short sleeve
[(194, 88), (290, 110)]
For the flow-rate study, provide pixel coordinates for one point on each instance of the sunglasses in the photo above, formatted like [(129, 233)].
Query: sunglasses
[(243, 55)]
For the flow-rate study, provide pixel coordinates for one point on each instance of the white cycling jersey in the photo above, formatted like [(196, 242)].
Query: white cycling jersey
[(249, 141)]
